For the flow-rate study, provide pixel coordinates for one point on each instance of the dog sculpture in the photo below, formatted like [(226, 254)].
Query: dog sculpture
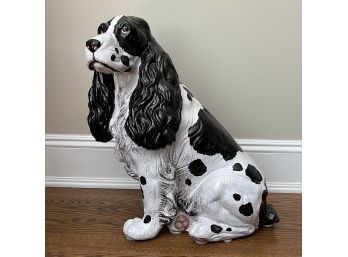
[(194, 177)]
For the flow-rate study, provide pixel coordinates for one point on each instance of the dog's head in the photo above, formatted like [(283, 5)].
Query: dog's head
[(155, 104), (120, 41)]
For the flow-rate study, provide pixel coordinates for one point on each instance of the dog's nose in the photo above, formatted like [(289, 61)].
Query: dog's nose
[(125, 60), (93, 45)]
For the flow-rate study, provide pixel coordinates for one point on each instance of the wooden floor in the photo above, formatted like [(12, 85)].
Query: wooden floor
[(88, 222)]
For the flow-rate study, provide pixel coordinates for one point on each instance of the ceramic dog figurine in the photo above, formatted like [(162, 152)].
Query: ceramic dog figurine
[(194, 177)]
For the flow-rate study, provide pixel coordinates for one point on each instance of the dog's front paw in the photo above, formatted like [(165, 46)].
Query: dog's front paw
[(141, 229)]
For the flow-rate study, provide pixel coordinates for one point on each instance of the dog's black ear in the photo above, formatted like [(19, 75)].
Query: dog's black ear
[(101, 106), (155, 104)]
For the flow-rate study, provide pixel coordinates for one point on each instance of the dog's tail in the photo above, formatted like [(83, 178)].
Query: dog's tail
[(268, 215)]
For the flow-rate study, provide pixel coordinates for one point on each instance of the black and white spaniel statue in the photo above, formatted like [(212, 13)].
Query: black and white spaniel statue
[(194, 177)]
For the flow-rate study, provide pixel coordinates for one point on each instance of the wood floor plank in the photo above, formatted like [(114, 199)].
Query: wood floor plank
[(89, 222)]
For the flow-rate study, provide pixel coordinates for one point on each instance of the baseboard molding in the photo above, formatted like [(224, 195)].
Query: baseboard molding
[(118, 183), (80, 161), (125, 183)]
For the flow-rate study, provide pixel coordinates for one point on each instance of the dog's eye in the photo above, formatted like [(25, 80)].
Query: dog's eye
[(102, 28), (125, 30)]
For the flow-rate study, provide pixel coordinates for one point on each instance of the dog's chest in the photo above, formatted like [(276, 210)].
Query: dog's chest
[(124, 145)]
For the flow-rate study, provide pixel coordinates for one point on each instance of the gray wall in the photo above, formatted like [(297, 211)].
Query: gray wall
[(240, 58)]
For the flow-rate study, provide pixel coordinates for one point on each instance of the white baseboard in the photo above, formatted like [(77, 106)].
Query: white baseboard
[(128, 183), (119, 183), (79, 161)]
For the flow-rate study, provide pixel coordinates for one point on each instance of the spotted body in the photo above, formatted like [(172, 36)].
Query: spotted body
[(193, 176)]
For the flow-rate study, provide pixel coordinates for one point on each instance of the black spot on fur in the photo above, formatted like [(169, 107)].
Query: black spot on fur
[(188, 182), (237, 167), (189, 94), (236, 197), (197, 167), (125, 60), (103, 27), (143, 180), (228, 229), (147, 219), (215, 228), (246, 209), (191, 213), (209, 137), (253, 174)]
